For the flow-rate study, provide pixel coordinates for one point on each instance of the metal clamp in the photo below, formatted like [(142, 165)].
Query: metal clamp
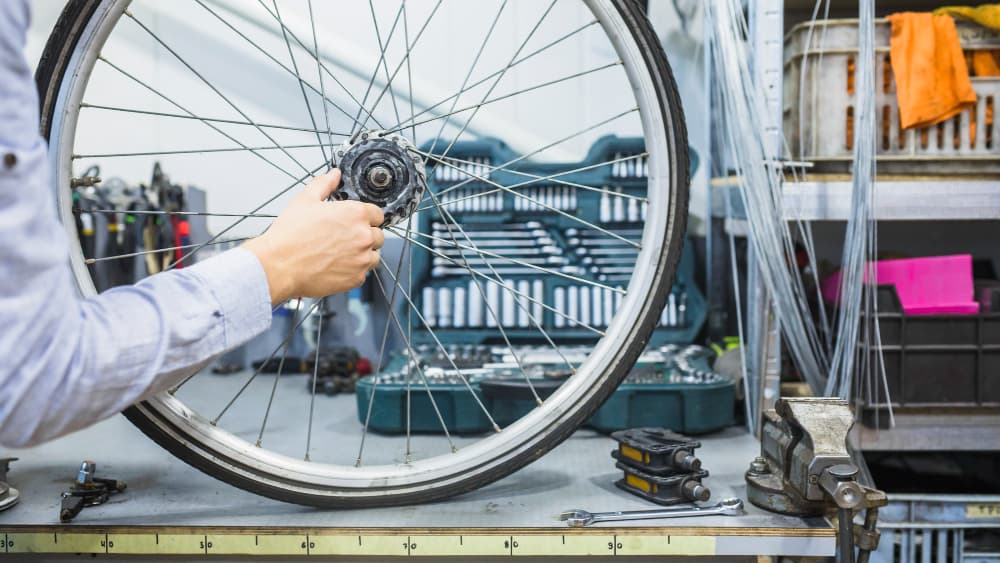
[(8, 495)]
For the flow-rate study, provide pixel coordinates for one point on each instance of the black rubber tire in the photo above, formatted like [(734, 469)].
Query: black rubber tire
[(49, 76)]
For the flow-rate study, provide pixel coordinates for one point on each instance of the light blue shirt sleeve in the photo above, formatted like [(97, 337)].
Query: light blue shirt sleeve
[(65, 361)]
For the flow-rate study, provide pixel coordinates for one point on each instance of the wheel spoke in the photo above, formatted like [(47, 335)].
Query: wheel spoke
[(212, 87), (465, 81), (181, 213), (322, 89), (315, 374), (90, 261), (295, 326), (550, 178), (409, 82), (206, 119), (302, 88), (499, 281), (371, 81), (271, 57), (382, 48), (252, 211), (408, 246), (495, 73), (406, 57), (521, 263), (325, 69), (430, 331), (554, 179), (192, 114), (446, 216), (533, 320), (412, 359), (281, 366), (538, 203), (491, 88), (391, 305), (541, 149), (485, 102), (198, 151)]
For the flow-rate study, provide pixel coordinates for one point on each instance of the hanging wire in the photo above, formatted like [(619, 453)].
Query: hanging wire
[(827, 364), (858, 276), (743, 107)]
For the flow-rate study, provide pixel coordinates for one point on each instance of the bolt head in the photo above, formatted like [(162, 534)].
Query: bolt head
[(380, 176), (758, 465)]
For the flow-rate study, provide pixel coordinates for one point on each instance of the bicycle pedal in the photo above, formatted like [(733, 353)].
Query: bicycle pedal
[(656, 451)]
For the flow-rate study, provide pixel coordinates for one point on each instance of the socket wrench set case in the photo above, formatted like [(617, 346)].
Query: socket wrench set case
[(657, 393)]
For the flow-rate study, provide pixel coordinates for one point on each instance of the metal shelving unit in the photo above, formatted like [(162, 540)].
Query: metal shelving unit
[(827, 197), (897, 199), (931, 528)]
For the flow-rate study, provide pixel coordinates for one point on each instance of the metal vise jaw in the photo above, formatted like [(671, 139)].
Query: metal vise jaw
[(803, 451)]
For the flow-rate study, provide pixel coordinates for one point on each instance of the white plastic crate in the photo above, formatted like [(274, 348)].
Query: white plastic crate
[(820, 100)]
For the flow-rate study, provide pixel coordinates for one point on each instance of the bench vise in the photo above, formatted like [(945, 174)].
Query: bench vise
[(805, 470)]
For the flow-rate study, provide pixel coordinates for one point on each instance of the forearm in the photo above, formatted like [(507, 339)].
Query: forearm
[(82, 360)]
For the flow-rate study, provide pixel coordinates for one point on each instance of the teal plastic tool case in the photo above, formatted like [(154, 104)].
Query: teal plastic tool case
[(670, 386)]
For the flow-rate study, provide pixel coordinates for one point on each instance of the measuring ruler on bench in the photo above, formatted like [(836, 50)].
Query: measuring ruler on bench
[(442, 542)]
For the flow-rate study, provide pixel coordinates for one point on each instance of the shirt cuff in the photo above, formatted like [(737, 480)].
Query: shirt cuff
[(237, 280)]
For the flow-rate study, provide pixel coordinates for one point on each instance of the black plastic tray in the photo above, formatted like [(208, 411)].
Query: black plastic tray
[(935, 360)]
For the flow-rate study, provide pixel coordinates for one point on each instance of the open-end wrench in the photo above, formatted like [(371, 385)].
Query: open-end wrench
[(580, 518)]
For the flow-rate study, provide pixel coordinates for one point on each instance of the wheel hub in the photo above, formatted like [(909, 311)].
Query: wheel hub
[(383, 169)]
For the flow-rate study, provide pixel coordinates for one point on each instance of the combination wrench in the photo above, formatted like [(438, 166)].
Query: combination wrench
[(580, 518)]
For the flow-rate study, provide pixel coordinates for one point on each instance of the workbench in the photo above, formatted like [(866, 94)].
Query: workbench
[(172, 509)]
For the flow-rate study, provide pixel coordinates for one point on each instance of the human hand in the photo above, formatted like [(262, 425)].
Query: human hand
[(317, 247)]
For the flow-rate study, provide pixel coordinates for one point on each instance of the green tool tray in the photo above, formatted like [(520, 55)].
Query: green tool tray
[(443, 294), (644, 399), (685, 407), (446, 292)]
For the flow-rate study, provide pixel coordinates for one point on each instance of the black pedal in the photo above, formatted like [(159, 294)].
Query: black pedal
[(336, 370), (87, 491), (666, 490), (656, 451)]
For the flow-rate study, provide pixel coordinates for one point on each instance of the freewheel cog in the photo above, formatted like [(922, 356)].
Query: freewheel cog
[(383, 169)]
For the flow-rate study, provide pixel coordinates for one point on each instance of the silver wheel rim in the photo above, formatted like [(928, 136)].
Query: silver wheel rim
[(314, 478)]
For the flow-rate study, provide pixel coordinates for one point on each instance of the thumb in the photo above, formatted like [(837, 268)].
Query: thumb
[(320, 187)]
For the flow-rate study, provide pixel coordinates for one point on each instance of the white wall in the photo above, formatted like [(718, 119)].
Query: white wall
[(237, 182)]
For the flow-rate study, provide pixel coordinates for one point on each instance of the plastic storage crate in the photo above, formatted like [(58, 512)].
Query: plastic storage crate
[(820, 100), (939, 529), (938, 361)]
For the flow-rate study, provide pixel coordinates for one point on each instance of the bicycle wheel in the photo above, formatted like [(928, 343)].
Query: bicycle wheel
[(234, 96)]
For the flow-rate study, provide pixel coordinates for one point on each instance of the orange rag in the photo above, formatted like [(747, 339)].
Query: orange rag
[(985, 63), (932, 79)]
